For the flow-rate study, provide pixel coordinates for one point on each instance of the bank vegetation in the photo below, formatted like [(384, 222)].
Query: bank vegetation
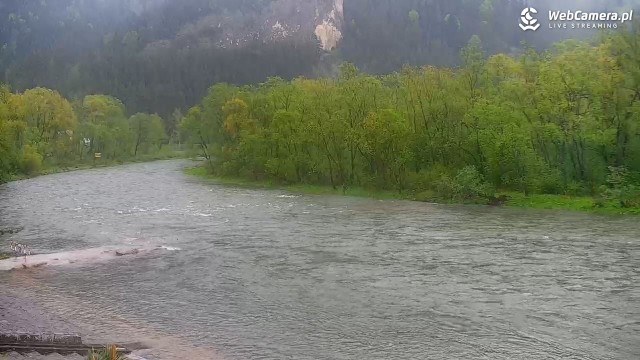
[(41, 132), (562, 122)]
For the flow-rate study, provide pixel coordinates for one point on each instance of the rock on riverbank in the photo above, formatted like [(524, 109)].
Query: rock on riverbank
[(94, 255)]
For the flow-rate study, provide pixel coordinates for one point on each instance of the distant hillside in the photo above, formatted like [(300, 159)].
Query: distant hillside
[(158, 55)]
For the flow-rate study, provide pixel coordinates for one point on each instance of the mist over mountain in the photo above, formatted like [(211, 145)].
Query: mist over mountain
[(159, 55)]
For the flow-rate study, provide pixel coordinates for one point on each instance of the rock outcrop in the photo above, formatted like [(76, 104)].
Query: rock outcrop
[(280, 20)]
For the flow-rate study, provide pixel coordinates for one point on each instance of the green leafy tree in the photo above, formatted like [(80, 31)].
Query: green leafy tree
[(199, 132), (147, 130)]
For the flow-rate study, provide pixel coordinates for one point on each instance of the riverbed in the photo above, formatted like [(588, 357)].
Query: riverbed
[(267, 274)]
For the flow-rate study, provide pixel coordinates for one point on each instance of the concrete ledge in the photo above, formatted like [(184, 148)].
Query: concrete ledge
[(41, 339)]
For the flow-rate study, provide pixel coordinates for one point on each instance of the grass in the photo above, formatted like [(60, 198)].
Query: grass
[(109, 353), (515, 199), (565, 202), (543, 201), (295, 188)]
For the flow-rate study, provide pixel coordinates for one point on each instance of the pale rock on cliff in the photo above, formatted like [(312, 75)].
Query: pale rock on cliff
[(328, 32), (305, 20)]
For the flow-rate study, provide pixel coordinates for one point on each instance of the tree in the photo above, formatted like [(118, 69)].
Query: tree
[(384, 145), (48, 112), (7, 158), (472, 59), (549, 122), (236, 118), (147, 130), (198, 131), (51, 120), (103, 125)]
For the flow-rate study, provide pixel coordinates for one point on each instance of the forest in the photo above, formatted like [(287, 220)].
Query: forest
[(442, 114), (561, 121), (40, 129), (159, 55), (143, 56)]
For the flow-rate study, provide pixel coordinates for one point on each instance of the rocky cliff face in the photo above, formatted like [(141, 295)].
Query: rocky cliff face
[(277, 20), (328, 31)]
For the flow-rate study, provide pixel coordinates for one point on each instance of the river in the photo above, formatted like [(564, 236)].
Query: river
[(264, 274)]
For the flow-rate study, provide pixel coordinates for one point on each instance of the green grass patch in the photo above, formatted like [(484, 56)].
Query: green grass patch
[(536, 201), (202, 172), (545, 201), (565, 202)]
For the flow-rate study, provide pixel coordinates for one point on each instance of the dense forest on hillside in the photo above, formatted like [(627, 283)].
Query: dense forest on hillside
[(73, 46), (564, 121), (160, 55), (431, 32), (383, 35)]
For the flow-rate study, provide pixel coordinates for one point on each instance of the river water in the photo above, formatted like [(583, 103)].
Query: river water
[(260, 274)]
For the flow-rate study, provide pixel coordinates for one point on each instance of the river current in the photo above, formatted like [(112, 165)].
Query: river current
[(264, 274)]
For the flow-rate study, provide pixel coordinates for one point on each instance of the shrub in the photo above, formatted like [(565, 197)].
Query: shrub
[(470, 185), (426, 179), (620, 188), (575, 188), (30, 161), (445, 188), (437, 183), (549, 182), (109, 353)]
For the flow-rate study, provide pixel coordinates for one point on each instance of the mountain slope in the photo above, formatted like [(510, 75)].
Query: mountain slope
[(158, 55)]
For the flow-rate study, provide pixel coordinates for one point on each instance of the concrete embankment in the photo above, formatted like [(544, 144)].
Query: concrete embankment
[(29, 332), (22, 321), (48, 337), (20, 315), (35, 356)]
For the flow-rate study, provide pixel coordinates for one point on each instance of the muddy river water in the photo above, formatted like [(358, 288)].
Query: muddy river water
[(263, 274)]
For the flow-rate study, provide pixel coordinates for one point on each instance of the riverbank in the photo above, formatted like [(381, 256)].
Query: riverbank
[(513, 199), (28, 331), (165, 155), (21, 316)]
